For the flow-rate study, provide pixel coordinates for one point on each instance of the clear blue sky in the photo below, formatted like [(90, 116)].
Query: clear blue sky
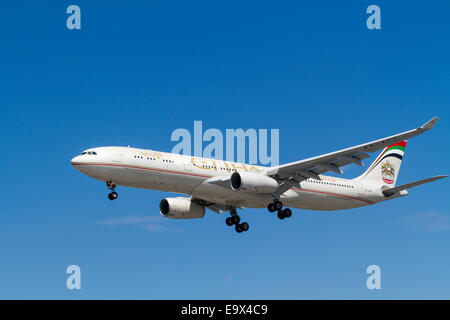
[(135, 72)]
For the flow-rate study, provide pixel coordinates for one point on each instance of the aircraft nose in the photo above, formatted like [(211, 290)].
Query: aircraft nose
[(76, 160)]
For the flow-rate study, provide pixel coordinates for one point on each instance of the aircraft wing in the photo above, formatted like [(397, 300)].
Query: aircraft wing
[(294, 172), (216, 207), (389, 192), (223, 181)]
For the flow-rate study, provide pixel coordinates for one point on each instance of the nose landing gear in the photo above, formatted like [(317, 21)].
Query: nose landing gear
[(112, 187), (113, 195)]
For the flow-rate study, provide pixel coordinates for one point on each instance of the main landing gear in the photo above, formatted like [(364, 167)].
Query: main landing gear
[(278, 206), (234, 220), (112, 187)]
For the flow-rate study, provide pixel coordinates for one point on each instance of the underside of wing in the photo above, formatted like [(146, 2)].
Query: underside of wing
[(216, 207), (294, 172)]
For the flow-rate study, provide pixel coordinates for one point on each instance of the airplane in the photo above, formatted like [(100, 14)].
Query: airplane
[(224, 186)]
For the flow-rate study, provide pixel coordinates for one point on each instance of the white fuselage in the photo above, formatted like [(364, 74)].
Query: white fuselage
[(189, 175)]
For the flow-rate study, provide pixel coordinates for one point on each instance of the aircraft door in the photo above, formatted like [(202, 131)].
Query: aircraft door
[(117, 157), (364, 189), (187, 163)]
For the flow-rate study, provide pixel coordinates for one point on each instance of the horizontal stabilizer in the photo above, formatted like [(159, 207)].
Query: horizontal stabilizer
[(389, 192), (430, 124)]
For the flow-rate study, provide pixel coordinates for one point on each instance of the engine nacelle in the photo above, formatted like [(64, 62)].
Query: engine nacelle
[(253, 182), (180, 208)]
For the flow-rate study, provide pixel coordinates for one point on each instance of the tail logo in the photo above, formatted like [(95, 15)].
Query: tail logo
[(388, 172)]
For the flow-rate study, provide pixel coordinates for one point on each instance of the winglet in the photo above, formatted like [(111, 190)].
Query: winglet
[(430, 124)]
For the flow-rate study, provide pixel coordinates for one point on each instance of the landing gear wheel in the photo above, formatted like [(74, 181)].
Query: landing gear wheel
[(112, 187), (281, 215), (287, 212), (235, 219), (278, 205), (113, 195), (271, 207)]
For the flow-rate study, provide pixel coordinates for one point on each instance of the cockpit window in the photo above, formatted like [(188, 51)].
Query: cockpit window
[(94, 153), (83, 153), (89, 152)]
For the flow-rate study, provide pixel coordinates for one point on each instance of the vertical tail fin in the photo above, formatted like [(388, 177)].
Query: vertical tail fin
[(386, 167)]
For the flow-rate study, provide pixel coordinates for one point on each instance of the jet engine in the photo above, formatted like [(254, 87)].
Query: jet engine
[(180, 208), (253, 182)]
